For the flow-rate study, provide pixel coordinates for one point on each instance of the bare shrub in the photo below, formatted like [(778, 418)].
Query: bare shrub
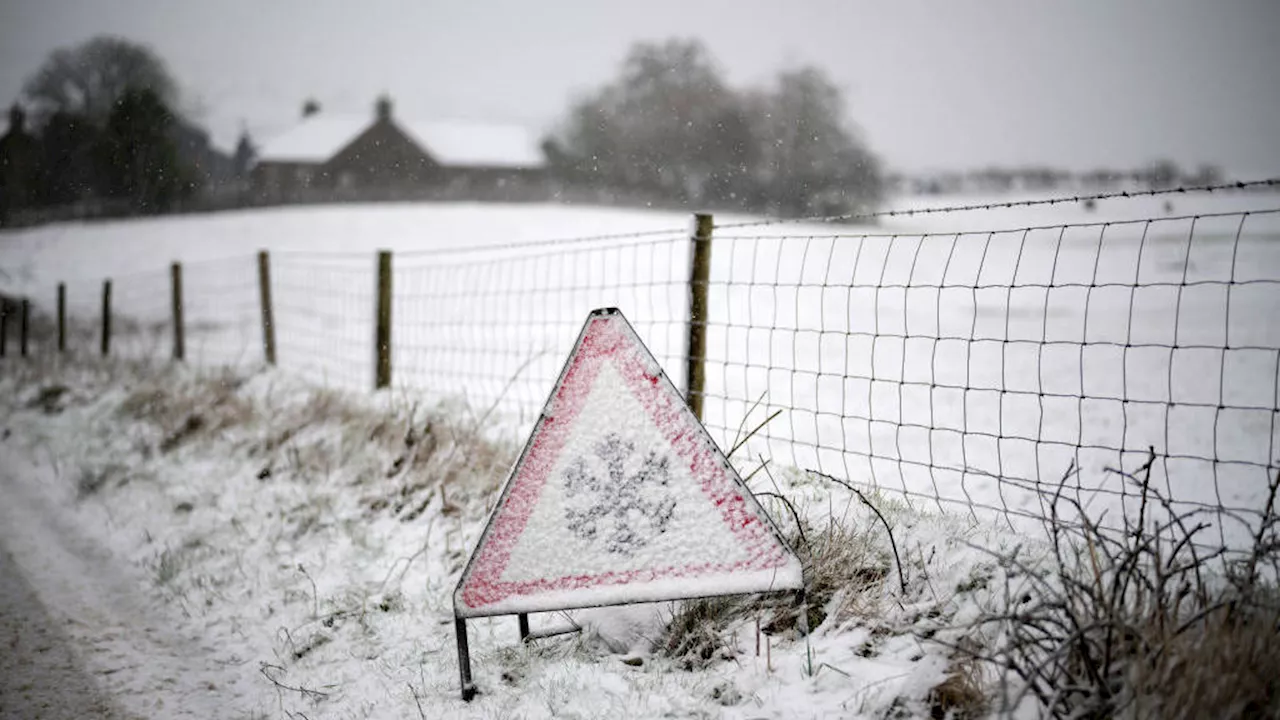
[(1146, 622)]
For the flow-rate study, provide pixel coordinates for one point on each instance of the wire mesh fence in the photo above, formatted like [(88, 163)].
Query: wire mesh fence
[(970, 369), (141, 321), (324, 317), (494, 329), (221, 312), (962, 369)]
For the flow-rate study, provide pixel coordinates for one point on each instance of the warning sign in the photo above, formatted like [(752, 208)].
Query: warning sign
[(620, 496)]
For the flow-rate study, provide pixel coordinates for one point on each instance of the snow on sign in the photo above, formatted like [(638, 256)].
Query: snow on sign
[(620, 496)]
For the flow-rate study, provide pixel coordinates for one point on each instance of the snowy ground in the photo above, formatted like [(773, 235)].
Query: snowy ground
[(253, 545), (928, 354), (243, 545), (40, 675)]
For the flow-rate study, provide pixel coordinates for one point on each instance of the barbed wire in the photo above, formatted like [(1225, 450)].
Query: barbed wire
[(1010, 204), (821, 219), (1010, 229)]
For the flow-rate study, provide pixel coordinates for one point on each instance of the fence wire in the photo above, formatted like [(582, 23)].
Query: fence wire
[(324, 318), (141, 315), (222, 312)]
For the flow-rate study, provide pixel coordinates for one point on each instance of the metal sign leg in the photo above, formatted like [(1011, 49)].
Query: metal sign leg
[(523, 619), (464, 659)]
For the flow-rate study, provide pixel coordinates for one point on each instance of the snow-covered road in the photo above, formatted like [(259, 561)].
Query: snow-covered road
[(78, 626), (40, 675)]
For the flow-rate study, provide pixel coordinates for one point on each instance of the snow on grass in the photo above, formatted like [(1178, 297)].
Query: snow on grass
[(314, 538)]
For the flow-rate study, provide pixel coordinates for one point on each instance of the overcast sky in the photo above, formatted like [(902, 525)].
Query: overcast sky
[(953, 84)]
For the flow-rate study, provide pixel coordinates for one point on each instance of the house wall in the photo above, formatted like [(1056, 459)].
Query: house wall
[(384, 163), (274, 181), (381, 156), (486, 182)]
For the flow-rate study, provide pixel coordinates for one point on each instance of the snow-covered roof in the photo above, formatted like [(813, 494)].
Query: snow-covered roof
[(458, 144), (314, 140), (476, 145)]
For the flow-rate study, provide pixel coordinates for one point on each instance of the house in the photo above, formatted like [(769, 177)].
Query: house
[(330, 157)]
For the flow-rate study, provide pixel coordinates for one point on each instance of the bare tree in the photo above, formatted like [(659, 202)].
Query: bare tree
[(812, 161), (670, 128), (89, 79), (656, 128)]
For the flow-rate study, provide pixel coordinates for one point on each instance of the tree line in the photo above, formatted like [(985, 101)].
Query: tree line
[(98, 122), (670, 128)]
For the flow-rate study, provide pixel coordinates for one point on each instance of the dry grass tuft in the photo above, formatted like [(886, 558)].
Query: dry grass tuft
[(92, 477), (963, 695), (182, 405), (845, 573), (401, 457), (844, 576), (699, 633)]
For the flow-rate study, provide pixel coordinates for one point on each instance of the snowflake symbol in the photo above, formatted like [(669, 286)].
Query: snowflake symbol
[(619, 495)]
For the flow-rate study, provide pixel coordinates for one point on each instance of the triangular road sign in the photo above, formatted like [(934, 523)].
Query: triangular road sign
[(620, 496)]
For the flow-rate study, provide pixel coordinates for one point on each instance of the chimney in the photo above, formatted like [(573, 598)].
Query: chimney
[(17, 119), (383, 108)]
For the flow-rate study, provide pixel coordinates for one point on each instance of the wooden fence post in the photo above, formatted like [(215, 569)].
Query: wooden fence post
[(106, 318), (179, 342), (62, 317), (25, 329), (696, 342), (382, 334), (264, 299)]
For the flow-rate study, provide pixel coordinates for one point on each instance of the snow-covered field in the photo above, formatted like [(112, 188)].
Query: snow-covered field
[(929, 354)]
